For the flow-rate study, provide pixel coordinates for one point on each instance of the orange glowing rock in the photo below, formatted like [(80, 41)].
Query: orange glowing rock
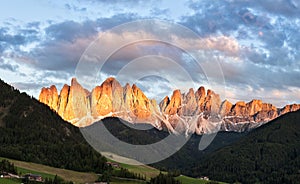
[(82, 108)]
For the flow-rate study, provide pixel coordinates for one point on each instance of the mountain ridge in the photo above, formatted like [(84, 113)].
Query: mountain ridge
[(201, 111), (31, 132), (268, 154)]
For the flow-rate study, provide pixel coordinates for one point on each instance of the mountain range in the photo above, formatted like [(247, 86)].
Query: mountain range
[(30, 131), (201, 111)]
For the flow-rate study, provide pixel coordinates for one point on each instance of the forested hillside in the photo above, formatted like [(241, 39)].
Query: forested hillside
[(30, 131), (269, 154)]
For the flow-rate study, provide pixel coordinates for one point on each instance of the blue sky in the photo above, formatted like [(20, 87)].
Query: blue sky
[(257, 42)]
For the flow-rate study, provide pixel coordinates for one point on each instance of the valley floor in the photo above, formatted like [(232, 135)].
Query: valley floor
[(81, 177)]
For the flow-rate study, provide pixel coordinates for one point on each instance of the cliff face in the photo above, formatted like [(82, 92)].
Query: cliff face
[(109, 99), (198, 111), (71, 104), (49, 96)]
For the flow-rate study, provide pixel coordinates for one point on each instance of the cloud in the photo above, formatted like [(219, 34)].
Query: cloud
[(60, 55), (75, 8), (27, 85), (11, 39), (126, 3), (62, 45), (71, 30), (7, 66), (160, 12), (14, 40), (288, 8), (262, 80), (224, 44), (146, 52), (267, 32)]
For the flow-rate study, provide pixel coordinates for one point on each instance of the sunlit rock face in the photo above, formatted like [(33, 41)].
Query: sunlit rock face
[(63, 100), (225, 108), (72, 103), (199, 111), (49, 96), (289, 108), (174, 105), (106, 98), (78, 102)]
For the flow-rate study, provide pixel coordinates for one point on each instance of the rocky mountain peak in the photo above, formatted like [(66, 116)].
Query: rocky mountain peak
[(81, 107), (200, 93), (209, 92), (289, 108), (190, 103), (49, 96), (110, 80), (174, 106), (164, 103), (74, 82), (226, 107)]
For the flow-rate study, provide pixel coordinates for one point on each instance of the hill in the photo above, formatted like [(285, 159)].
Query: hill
[(187, 157), (33, 133), (269, 154)]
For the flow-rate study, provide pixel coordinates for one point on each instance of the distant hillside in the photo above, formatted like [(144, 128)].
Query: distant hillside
[(186, 158), (269, 154), (30, 131)]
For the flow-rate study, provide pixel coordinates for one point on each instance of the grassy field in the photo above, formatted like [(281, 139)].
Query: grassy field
[(150, 172), (9, 181), (43, 170), (121, 181), (189, 180), (144, 170), (79, 177), (23, 171)]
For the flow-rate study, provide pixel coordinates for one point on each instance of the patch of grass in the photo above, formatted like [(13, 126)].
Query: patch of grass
[(9, 181), (151, 172), (23, 171), (67, 175), (125, 181), (143, 170), (189, 180)]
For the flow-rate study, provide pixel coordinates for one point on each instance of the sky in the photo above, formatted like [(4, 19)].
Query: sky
[(256, 45)]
